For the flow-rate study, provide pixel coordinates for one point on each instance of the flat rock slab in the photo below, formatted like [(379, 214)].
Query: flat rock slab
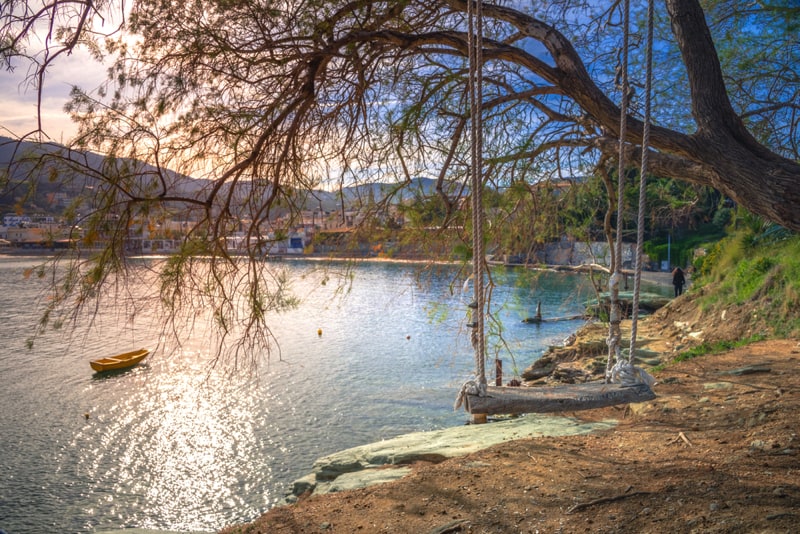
[(710, 386), (360, 464), (748, 370), (362, 479)]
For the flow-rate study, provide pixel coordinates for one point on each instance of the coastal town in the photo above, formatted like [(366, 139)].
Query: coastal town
[(313, 233), (420, 219), (46, 232)]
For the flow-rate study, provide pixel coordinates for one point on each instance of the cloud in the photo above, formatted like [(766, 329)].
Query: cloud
[(18, 96)]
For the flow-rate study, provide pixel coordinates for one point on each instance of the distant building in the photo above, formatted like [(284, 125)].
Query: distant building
[(16, 220), (35, 236)]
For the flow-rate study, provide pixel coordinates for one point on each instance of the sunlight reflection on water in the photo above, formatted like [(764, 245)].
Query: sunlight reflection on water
[(174, 447)]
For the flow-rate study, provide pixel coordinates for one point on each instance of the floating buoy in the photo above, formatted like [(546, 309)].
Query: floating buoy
[(408, 337), (319, 332)]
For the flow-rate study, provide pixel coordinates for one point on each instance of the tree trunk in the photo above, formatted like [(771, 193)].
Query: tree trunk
[(763, 182)]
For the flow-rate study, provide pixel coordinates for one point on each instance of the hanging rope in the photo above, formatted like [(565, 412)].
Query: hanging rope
[(615, 313), (475, 92), (479, 338), (637, 281), (624, 372)]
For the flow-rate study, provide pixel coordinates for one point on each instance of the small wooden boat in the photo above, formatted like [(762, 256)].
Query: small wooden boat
[(120, 361)]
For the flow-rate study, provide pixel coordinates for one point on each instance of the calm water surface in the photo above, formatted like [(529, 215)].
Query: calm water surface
[(175, 444)]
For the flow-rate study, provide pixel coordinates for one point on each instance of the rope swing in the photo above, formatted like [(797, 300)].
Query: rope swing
[(624, 382)]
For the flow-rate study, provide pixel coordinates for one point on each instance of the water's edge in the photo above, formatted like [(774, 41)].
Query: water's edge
[(357, 467)]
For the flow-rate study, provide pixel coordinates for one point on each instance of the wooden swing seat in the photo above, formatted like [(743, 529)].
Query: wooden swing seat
[(565, 398)]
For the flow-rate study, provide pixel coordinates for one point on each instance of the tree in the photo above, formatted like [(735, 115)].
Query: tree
[(267, 100)]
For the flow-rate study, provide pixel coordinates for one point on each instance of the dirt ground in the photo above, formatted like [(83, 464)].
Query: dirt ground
[(716, 452)]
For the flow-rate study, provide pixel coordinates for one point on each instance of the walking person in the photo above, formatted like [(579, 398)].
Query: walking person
[(678, 280)]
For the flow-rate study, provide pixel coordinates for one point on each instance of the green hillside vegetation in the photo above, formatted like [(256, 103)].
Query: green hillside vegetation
[(755, 270)]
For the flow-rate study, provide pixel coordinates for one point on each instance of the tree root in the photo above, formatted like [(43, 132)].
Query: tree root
[(602, 500)]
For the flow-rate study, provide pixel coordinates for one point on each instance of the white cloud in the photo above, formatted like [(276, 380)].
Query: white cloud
[(18, 97)]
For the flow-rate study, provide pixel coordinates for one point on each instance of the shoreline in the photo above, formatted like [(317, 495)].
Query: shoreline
[(385, 461), (656, 277), (374, 466)]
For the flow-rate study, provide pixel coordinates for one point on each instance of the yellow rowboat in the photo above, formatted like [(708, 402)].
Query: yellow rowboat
[(120, 361)]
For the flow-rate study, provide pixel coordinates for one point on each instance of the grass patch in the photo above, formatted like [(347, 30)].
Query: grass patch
[(705, 349), (717, 347), (748, 277), (757, 271)]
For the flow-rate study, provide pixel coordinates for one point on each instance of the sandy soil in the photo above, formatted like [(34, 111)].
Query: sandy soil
[(716, 452)]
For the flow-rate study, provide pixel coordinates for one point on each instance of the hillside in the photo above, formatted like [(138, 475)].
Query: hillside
[(48, 177), (26, 162)]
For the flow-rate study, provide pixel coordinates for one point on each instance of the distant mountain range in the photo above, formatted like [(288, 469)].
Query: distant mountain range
[(17, 160)]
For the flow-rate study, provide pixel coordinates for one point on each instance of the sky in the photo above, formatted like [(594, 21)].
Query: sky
[(18, 97)]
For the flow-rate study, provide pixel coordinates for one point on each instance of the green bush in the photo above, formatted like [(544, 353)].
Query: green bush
[(722, 217)]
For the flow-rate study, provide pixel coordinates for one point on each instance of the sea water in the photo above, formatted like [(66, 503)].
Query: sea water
[(177, 444)]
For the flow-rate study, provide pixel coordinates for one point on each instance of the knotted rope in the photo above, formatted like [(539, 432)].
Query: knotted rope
[(637, 281), (615, 313), (623, 371), (475, 91)]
